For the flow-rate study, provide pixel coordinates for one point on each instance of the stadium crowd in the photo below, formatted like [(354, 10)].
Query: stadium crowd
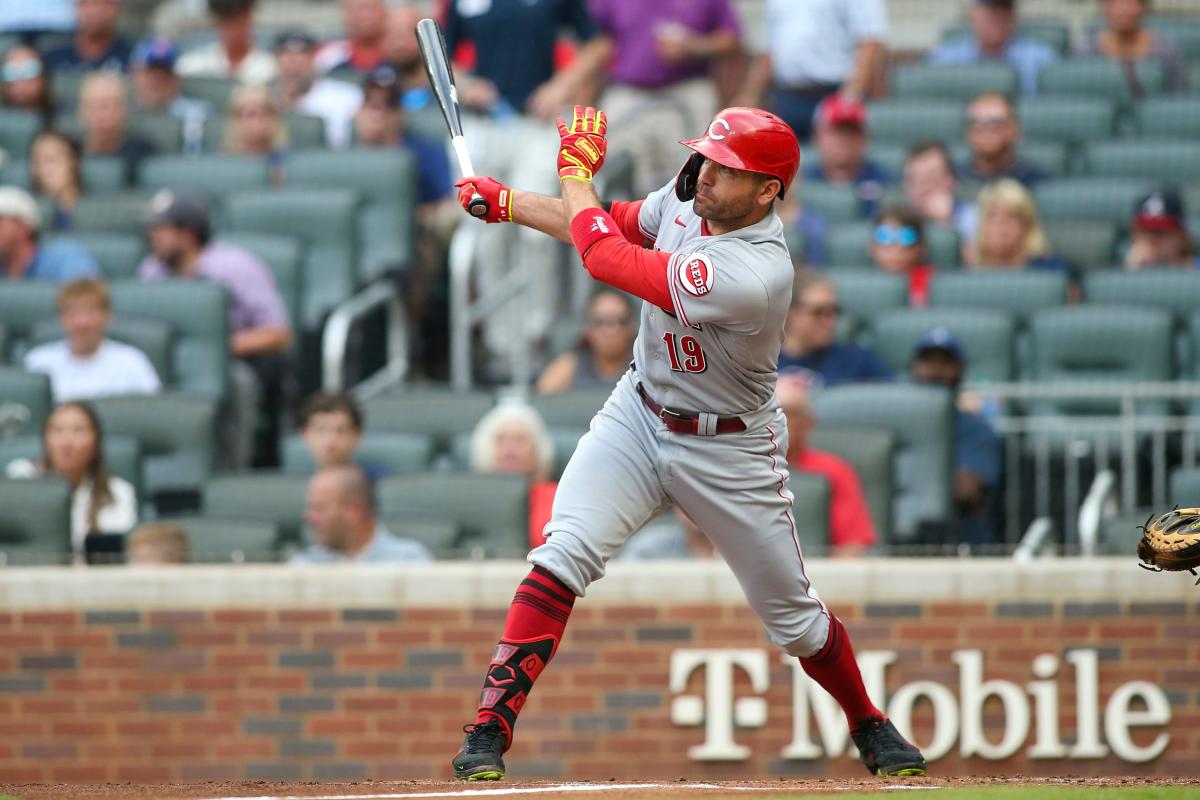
[(290, 168)]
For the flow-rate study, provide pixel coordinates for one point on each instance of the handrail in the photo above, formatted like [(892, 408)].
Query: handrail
[(1091, 510), (336, 337), (1035, 539)]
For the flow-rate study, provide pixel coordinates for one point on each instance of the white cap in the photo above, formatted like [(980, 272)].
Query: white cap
[(19, 203)]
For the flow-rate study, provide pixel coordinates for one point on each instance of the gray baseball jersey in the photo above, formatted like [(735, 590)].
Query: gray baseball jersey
[(716, 354)]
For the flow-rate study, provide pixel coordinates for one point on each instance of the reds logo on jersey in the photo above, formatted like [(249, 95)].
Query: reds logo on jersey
[(695, 274)]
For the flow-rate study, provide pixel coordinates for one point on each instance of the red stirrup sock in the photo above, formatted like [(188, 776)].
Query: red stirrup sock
[(834, 668), (535, 624)]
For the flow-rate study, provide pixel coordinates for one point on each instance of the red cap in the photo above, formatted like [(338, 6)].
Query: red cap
[(838, 110), (751, 139)]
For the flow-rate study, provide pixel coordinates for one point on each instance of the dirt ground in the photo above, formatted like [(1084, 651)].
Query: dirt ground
[(541, 789)]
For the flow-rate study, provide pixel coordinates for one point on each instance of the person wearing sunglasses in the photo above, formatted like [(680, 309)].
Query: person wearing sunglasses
[(993, 133), (898, 246), (604, 351), (26, 83)]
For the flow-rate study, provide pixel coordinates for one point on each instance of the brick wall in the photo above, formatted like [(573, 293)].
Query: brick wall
[(136, 693)]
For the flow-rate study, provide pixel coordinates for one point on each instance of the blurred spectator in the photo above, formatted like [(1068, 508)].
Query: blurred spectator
[(840, 134), (340, 510), (156, 89), (365, 22), (1159, 236), (898, 246), (995, 38), (671, 537), (56, 173), (929, 186), (179, 234), (813, 50), (86, 363), (104, 112), (810, 346), (26, 84), (511, 439), (938, 360), (1010, 234), (73, 449), (401, 53), (659, 88), (24, 257), (31, 18), (157, 544), (331, 424), (96, 45), (254, 127), (851, 531), (1126, 39), (234, 55), (993, 134), (604, 351), (381, 121), (300, 90)]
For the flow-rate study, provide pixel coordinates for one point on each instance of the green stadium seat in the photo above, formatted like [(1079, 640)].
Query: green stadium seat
[(387, 234), (215, 175), (439, 535), (865, 293), (1103, 199), (117, 212), (323, 221), (911, 120), (103, 174), (1185, 488), (66, 85), (1099, 77), (264, 496), (1150, 160), (441, 413), (1083, 244), (922, 420), (1183, 29), (491, 511), (394, 453), (122, 454), (162, 129), (152, 336), (118, 254), (573, 408), (959, 82), (1018, 293), (1172, 289), (214, 90), (986, 336), (35, 521), (871, 451), (1118, 535), (22, 305), (1070, 120), (1050, 32), (1104, 344), (810, 511), (849, 245), (888, 156), (837, 203), (176, 432), (217, 540), (198, 314), (25, 401), (1175, 116), (380, 176), (3, 343), (17, 130), (283, 255)]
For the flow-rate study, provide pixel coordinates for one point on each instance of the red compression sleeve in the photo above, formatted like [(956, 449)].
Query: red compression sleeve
[(612, 260), (626, 215)]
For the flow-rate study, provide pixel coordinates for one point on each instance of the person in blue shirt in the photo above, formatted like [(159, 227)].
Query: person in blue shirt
[(840, 126), (96, 44), (994, 23), (24, 257), (810, 345), (938, 360)]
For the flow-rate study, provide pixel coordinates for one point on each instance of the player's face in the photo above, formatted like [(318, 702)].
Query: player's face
[(729, 196), (331, 438)]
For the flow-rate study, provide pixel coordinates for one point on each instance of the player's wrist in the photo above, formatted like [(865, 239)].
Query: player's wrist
[(590, 226)]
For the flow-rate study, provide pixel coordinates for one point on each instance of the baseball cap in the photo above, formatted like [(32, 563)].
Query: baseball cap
[(838, 111), (939, 339), (1160, 210), (19, 204), (181, 209), (156, 52), (294, 40)]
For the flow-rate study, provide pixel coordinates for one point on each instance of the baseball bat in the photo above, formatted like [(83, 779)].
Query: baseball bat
[(441, 79)]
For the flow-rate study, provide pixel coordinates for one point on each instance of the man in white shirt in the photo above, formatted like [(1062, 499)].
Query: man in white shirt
[(302, 91), (235, 54), (86, 364)]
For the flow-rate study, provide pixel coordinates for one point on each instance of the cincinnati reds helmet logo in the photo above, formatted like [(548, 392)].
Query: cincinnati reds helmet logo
[(712, 129), (695, 274)]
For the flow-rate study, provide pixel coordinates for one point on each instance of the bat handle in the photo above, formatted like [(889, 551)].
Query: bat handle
[(478, 207)]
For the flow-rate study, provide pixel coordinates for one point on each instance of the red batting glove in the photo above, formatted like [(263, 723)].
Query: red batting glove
[(582, 145), (499, 197)]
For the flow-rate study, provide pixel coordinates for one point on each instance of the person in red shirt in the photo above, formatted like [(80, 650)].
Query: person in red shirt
[(898, 245), (851, 531), (512, 439)]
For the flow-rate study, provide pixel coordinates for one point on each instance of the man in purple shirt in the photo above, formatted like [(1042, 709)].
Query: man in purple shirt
[(179, 235), (659, 83)]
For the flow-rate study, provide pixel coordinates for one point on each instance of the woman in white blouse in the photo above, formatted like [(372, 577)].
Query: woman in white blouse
[(73, 449)]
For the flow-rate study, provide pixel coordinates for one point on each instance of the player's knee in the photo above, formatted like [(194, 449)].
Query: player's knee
[(810, 641), (571, 559)]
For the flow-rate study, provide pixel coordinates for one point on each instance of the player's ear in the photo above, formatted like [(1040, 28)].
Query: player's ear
[(769, 190)]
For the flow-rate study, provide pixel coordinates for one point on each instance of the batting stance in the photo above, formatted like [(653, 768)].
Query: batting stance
[(694, 422)]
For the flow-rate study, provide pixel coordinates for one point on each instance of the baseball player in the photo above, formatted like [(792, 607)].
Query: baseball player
[(694, 422)]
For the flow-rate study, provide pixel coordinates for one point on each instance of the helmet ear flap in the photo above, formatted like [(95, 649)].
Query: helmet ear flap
[(685, 181)]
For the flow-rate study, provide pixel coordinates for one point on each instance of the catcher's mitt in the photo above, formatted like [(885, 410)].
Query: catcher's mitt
[(1171, 542)]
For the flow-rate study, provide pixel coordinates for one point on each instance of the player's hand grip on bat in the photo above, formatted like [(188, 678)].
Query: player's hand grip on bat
[(498, 196), (582, 145)]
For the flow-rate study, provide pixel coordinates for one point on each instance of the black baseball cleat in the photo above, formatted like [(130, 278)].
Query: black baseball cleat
[(884, 751), (482, 755)]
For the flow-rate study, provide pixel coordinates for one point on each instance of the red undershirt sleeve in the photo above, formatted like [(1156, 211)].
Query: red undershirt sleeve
[(626, 216), (610, 258)]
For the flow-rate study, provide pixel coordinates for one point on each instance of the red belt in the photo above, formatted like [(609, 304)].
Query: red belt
[(683, 422)]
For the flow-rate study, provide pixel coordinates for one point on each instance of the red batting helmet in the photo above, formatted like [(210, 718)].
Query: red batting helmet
[(743, 138)]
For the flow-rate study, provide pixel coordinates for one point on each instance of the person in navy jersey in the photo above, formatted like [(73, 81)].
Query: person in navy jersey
[(810, 345), (1159, 236), (96, 44), (840, 127)]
